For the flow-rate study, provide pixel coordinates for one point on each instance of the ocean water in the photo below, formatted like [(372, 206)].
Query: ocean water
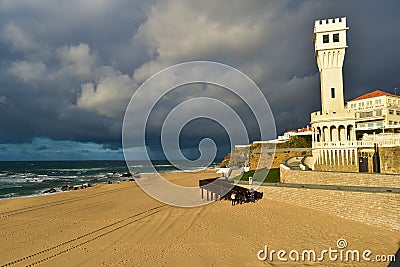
[(29, 178)]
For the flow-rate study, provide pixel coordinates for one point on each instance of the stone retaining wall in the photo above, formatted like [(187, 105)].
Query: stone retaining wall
[(339, 178), (378, 209)]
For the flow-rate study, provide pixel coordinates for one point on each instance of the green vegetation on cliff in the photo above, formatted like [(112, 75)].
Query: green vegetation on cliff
[(265, 175), (246, 157), (296, 142)]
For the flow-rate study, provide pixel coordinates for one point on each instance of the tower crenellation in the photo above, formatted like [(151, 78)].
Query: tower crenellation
[(330, 34), (326, 24)]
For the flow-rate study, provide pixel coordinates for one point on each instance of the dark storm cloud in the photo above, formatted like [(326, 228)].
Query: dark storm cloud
[(48, 51), (69, 68), (197, 129), (41, 148)]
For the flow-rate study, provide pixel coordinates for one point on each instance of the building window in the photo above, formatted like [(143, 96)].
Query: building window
[(332, 92), (390, 122), (380, 124), (366, 114), (391, 112), (378, 112), (336, 38), (325, 38), (397, 112)]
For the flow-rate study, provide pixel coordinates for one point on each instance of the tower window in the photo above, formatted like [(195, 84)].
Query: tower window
[(332, 92), (325, 38), (336, 38)]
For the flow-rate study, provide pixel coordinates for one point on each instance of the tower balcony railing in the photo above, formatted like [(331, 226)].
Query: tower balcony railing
[(329, 115)]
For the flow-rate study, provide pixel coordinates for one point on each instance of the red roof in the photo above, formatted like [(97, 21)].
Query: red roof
[(375, 93), (305, 129)]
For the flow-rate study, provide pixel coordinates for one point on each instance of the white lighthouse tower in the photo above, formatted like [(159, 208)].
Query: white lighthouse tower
[(334, 126), (330, 46)]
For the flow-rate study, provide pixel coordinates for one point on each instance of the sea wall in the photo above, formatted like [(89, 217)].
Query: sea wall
[(390, 159), (378, 209), (337, 168), (339, 178)]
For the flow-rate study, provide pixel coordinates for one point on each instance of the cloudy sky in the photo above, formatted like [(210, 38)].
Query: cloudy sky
[(69, 68)]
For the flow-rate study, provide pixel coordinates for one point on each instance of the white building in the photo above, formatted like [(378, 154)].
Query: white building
[(338, 130), (330, 47), (333, 123), (286, 136), (376, 111)]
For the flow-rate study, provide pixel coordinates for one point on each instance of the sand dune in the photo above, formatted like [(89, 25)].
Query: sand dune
[(118, 224)]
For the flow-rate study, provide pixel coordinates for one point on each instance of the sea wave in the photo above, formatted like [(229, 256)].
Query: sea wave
[(72, 169), (23, 179)]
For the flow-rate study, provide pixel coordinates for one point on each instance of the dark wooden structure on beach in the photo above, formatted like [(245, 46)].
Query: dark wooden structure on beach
[(220, 188)]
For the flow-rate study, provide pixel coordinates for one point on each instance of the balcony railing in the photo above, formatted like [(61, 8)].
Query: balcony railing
[(370, 118), (357, 144)]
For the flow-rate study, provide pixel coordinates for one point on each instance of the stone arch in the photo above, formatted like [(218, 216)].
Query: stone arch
[(325, 134), (341, 133), (333, 133), (350, 132), (319, 133)]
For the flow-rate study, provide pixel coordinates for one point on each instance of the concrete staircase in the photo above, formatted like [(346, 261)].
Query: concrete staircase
[(292, 163)]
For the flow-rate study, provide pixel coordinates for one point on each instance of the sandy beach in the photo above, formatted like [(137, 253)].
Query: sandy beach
[(119, 225)]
